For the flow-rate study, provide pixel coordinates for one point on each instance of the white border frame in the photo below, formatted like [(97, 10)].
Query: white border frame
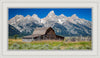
[(49, 5)]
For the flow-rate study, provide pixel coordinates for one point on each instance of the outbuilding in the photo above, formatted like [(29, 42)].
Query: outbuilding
[(44, 33)]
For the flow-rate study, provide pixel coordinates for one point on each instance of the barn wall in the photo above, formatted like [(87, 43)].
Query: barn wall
[(50, 34), (59, 37), (27, 40)]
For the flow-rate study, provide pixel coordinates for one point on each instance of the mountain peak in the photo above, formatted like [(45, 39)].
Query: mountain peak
[(74, 16), (34, 15), (19, 16), (62, 15), (51, 13), (27, 16)]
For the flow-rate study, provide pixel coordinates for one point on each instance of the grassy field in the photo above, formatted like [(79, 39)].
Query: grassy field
[(18, 44)]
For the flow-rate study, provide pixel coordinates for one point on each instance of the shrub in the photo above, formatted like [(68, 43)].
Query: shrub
[(81, 47), (71, 48), (36, 46), (45, 47), (42, 47), (26, 46), (14, 46), (56, 48), (88, 47)]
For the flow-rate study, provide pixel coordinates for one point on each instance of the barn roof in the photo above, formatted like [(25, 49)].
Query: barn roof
[(40, 31)]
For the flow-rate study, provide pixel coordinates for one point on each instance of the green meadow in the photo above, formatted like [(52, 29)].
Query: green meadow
[(18, 44)]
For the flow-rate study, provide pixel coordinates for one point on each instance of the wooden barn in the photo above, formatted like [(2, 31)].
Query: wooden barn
[(44, 33)]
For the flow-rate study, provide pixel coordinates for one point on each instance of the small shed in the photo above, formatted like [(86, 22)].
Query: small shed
[(44, 33)]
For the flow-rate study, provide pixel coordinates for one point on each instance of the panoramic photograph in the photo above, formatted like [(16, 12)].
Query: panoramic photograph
[(49, 28)]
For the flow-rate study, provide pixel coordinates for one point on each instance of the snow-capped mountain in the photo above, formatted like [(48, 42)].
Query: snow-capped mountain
[(63, 25)]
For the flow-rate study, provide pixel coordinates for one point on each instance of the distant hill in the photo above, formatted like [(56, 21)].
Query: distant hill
[(13, 31), (62, 25)]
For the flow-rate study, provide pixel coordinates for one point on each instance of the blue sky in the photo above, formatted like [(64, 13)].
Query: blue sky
[(85, 13)]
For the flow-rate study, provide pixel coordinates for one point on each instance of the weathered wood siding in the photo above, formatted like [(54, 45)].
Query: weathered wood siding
[(27, 40), (59, 37), (50, 34)]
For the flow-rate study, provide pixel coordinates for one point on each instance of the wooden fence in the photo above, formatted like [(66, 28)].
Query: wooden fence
[(74, 39)]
